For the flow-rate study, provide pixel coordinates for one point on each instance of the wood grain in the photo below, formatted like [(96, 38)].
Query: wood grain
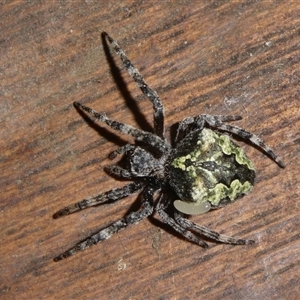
[(220, 57)]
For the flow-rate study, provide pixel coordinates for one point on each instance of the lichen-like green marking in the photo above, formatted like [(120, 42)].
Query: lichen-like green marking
[(214, 169), (229, 148), (221, 191)]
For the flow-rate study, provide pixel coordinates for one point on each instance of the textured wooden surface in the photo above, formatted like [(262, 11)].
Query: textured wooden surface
[(218, 58)]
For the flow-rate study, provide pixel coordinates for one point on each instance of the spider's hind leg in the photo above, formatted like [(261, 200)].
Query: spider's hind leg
[(198, 122), (190, 124), (160, 208), (189, 225), (246, 135)]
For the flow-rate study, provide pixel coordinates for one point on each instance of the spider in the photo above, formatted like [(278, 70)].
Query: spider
[(205, 170)]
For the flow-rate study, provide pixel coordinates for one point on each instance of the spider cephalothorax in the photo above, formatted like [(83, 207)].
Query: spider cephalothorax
[(204, 170)]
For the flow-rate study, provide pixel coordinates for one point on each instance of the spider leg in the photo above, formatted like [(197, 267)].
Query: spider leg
[(121, 150), (140, 135), (147, 91), (118, 171), (198, 122), (187, 224), (244, 134), (184, 125), (106, 233), (112, 195), (177, 227)]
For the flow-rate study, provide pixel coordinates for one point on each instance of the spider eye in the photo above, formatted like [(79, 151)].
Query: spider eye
[(191, 208)]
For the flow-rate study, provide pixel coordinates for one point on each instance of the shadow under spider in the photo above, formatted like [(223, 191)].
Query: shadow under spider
[(130, 102)]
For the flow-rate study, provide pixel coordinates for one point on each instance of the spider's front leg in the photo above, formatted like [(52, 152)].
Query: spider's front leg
[(112, 195), (147, 91), (121, 150), (140, 135), (118, 171), (106, 233)]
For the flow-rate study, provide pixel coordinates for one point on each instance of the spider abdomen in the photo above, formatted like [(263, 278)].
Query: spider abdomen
[(208, 167)]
